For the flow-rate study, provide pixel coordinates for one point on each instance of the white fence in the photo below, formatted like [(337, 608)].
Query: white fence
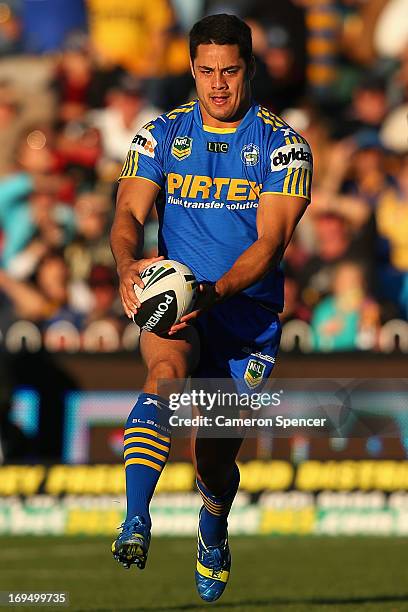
[(104, 337)]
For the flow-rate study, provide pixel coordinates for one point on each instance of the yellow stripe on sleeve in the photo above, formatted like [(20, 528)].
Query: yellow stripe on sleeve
[(287, 180), (301, 181), (143, 178), (130, 166), (125, 165), (282, 193), (293, 190)]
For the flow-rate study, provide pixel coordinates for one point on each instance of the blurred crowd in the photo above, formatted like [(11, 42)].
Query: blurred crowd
[(79, 78)]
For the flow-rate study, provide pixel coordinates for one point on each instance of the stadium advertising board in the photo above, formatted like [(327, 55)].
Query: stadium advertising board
[(276, 498)]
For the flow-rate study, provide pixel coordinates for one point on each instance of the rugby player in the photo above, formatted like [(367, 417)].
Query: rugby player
[(230, 180)]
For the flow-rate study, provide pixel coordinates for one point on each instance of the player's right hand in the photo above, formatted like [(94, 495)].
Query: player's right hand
[(129, 275)]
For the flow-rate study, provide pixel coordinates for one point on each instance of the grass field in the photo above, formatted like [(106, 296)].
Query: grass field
[(281, 574)]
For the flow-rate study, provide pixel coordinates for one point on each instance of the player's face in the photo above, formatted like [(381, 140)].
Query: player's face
[(222, 82)]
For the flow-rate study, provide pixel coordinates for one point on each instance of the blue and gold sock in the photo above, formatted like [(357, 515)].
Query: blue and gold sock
[(214, 514), (146, 450)]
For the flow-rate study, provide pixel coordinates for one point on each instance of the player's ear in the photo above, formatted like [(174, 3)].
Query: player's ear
[(192, 68)]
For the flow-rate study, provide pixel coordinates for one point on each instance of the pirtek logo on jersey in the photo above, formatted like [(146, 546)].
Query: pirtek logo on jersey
[(217, 147), (194, 186)]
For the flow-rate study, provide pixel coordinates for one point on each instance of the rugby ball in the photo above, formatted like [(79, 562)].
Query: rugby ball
[(169, 293)]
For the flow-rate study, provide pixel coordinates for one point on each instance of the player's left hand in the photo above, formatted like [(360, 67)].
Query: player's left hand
[(206, 298)]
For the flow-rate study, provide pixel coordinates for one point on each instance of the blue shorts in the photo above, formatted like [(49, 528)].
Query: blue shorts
[(239, 340)]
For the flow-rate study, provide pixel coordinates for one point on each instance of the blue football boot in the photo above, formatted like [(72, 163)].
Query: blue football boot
[(213, 568), (132, 545)]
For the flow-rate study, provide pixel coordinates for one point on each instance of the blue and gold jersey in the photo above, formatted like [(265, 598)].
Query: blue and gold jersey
[(211, 180)]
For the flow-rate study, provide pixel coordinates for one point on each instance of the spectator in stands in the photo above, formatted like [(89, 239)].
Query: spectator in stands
[(37, 171), (279, 47), (90, 245), (126, 112), (46, 23), (368, 177), (392, 221), (12, 124), (81, 79), (105, 304), (72, 80), (132, 34), (368, 106), (360, 19), (47, 298), (334, 242), (323, 23), (348, 319), (61, 147), (15, 219), (53, 283), (293, 308), (188, 12), (79, 149), (10, 28), (145, 40), (53, 224)]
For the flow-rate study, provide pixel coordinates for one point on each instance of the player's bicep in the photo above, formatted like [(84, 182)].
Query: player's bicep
[(278, 216), (136, 196)]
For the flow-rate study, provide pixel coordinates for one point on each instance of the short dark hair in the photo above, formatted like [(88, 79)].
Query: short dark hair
[(222, 29)]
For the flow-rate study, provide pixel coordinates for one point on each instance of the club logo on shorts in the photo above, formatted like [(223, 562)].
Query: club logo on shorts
[(254, 373), (250, 154), (181, 147)]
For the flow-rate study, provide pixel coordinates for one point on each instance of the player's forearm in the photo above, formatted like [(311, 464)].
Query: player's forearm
[(126, 239), (250, 267)]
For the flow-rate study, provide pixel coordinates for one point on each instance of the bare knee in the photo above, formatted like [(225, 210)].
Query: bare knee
[(165, 369)]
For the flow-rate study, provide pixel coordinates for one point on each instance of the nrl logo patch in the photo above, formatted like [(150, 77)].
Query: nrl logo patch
[(181, 147), (254, 373)]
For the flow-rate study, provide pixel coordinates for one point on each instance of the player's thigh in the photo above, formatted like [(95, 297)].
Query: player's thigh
[(180, 353)]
